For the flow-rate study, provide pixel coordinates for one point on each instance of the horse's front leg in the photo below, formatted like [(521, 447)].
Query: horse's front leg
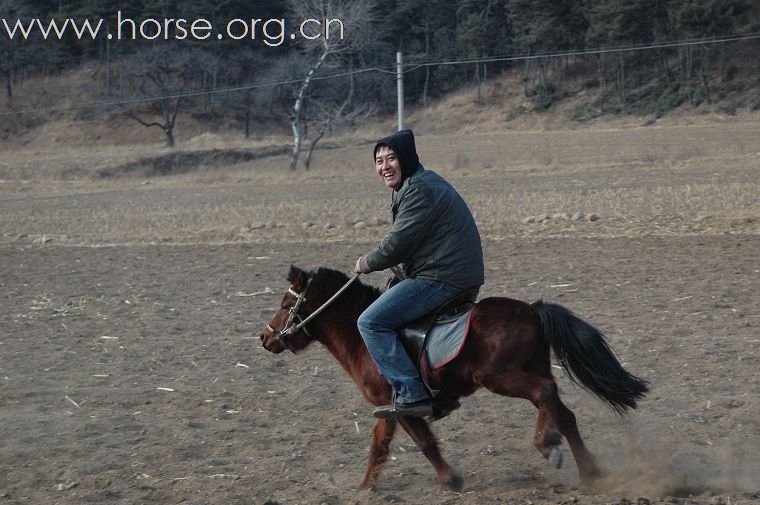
[(378, 453), (419, 430)]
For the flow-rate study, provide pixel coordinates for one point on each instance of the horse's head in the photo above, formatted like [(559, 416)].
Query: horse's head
[(280, 334)]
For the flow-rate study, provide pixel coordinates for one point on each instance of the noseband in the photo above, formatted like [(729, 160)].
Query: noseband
[(290, 326)]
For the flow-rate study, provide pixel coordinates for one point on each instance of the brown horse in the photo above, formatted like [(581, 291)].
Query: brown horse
[(507, 351)]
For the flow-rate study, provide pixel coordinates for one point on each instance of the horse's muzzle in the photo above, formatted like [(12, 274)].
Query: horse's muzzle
[(273, 344)]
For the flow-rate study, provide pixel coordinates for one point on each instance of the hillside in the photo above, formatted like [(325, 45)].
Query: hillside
[(469, 66), (496, 105)]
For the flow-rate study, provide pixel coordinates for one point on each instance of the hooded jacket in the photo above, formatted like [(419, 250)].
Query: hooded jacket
[(433, 234)]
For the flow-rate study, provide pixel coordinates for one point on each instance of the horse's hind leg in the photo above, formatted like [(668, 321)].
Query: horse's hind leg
[(547, 439), (419, 431), (560, 418), (553, 417), (378, 453), (565, 422)]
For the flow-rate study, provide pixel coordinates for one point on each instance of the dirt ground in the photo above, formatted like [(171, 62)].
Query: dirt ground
[(133, 373)]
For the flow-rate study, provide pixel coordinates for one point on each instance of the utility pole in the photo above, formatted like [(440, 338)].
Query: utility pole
[(400, 91)]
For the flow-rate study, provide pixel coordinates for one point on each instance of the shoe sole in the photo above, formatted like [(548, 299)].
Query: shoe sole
[(395, 414)]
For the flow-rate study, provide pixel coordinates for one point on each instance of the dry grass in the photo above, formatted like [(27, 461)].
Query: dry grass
[(641, 181)]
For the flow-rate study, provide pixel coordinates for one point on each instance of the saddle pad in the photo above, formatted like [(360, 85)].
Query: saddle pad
[(445, 341)]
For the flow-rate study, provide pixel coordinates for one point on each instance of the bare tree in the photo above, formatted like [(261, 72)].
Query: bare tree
[(329, 113), (13, 53), (250, 76), (160, 75), (241, 101), (354, 16), (207, 66), (7, 64)]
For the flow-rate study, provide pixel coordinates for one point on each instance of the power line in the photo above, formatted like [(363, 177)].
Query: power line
[(390, 69), (586, 52), (187, 94)]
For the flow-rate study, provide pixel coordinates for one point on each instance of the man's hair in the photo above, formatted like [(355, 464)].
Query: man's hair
[(380, 146)]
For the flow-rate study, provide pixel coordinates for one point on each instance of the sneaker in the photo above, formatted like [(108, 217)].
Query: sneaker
[(420, 408)]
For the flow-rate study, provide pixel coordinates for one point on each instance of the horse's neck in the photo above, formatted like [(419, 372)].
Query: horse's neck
[(341, 337)]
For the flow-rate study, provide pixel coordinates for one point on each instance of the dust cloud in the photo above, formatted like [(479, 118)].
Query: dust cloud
[(646, 465)]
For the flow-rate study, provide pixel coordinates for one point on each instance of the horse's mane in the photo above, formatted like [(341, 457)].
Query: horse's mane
[(358, 295)]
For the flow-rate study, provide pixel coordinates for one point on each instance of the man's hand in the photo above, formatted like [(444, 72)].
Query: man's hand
[(391, 281), (361, 266)]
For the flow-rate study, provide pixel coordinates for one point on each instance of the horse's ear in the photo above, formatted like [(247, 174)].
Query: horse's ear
[(295, 274)]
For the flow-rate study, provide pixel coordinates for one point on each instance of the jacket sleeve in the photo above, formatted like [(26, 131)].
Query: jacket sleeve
[(414, 217)]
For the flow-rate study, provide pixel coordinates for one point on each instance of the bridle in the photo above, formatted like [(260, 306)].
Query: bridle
[(291, 326)]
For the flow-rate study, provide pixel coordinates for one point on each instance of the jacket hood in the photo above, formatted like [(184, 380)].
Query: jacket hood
[(402, 143)]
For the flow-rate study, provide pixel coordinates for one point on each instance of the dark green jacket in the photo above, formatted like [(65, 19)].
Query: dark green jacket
[(433, 233)]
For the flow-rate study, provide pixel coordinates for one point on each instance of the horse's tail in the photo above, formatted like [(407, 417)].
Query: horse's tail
[(584, 354)]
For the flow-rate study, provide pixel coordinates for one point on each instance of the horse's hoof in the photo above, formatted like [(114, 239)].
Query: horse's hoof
[(593, 475), (555, 457), (455, 483), (364, 486)]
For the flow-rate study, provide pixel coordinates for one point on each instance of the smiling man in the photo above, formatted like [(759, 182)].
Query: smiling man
[(435, 237)]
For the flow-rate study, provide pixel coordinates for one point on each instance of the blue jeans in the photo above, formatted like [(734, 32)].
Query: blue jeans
[(405, 302)]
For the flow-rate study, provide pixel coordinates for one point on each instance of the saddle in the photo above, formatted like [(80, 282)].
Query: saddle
[(414, 334)]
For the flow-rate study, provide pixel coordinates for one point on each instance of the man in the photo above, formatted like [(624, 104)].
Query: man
[(435, 237)]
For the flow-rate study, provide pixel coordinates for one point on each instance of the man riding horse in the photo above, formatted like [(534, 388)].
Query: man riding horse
[(435, 237), (508, 345)]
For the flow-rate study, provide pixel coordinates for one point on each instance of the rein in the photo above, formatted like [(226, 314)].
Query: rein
[(290, 328)]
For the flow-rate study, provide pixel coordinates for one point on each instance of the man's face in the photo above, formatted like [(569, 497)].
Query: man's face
[(388, 167)]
